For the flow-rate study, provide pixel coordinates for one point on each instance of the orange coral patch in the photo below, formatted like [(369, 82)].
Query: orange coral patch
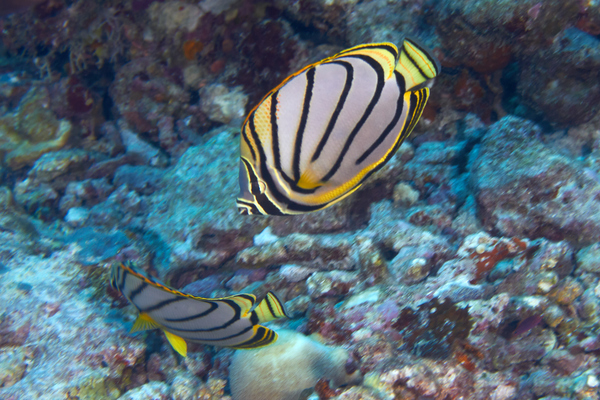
[(191, 48)]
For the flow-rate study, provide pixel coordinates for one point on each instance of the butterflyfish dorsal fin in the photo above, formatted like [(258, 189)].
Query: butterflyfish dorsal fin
[(385, 54), (270, 308), (178, 344), (416, 65), (245, 302), (144, 323)]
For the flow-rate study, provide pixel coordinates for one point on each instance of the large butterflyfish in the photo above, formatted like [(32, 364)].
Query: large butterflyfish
[(229, 321), (316, 137)]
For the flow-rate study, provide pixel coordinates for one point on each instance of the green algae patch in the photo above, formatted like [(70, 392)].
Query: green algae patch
[(95, 387)]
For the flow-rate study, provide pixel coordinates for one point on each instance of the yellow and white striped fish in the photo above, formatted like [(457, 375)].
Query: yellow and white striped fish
[(315, 138), (229, 321)]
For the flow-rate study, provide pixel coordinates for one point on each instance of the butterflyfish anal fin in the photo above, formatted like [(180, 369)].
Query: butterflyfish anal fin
[(416, 65), (419, 98), (262, 337), (143, 323), (270, 308), (178, 344)]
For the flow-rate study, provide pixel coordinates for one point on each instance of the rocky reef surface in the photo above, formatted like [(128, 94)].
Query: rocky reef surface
[(468, 267)]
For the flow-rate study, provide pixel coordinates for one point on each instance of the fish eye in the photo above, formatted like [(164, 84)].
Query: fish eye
[(351, 366), (257, 187)]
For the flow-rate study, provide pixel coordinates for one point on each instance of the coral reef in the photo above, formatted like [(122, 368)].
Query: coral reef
[(467, 267), (527, 188), (32, 130)]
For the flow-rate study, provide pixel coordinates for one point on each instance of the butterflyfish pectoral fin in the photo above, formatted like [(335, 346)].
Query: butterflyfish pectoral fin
[(270, 308), (143, 323), (178, 344)]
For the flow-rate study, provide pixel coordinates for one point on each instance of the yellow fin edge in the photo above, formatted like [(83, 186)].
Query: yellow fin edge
[(143, 323), (178, 344)]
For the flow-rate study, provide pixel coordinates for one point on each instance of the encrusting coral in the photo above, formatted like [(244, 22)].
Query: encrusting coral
[(289, 368), (32, 130)]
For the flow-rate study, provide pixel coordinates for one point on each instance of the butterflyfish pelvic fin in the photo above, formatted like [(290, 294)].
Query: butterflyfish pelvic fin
[(308, 181), (270, 308), (178, 344), (143, 323)]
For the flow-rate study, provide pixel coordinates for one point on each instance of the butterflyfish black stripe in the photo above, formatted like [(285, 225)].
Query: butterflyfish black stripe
[(254, 318), (378, 89), (304, 208), (236, 317), (262, 337), (270, 207), (410, 64), (393, 122), (410, 116), (310, 82), (387, 47), (137, 291), (338, 108), (268, 302), (161, 304), (248, 297), (213, 307), (251, 207), (233, 330), (255, 341), (417, 98), (275, 131), (241, 332), (405, 132), (266, 204), (245, 137), (412, 60)]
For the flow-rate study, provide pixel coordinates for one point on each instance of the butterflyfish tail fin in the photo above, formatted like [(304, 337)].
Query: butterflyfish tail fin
[(416, 64), (143, 323), (270, 308), (114, 274), (178, 344)]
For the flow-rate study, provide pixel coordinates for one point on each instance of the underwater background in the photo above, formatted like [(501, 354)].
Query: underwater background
[(468, 267)]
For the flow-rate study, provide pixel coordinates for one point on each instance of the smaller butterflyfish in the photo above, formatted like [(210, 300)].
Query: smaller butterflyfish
[(316, 137), (229, 321)]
